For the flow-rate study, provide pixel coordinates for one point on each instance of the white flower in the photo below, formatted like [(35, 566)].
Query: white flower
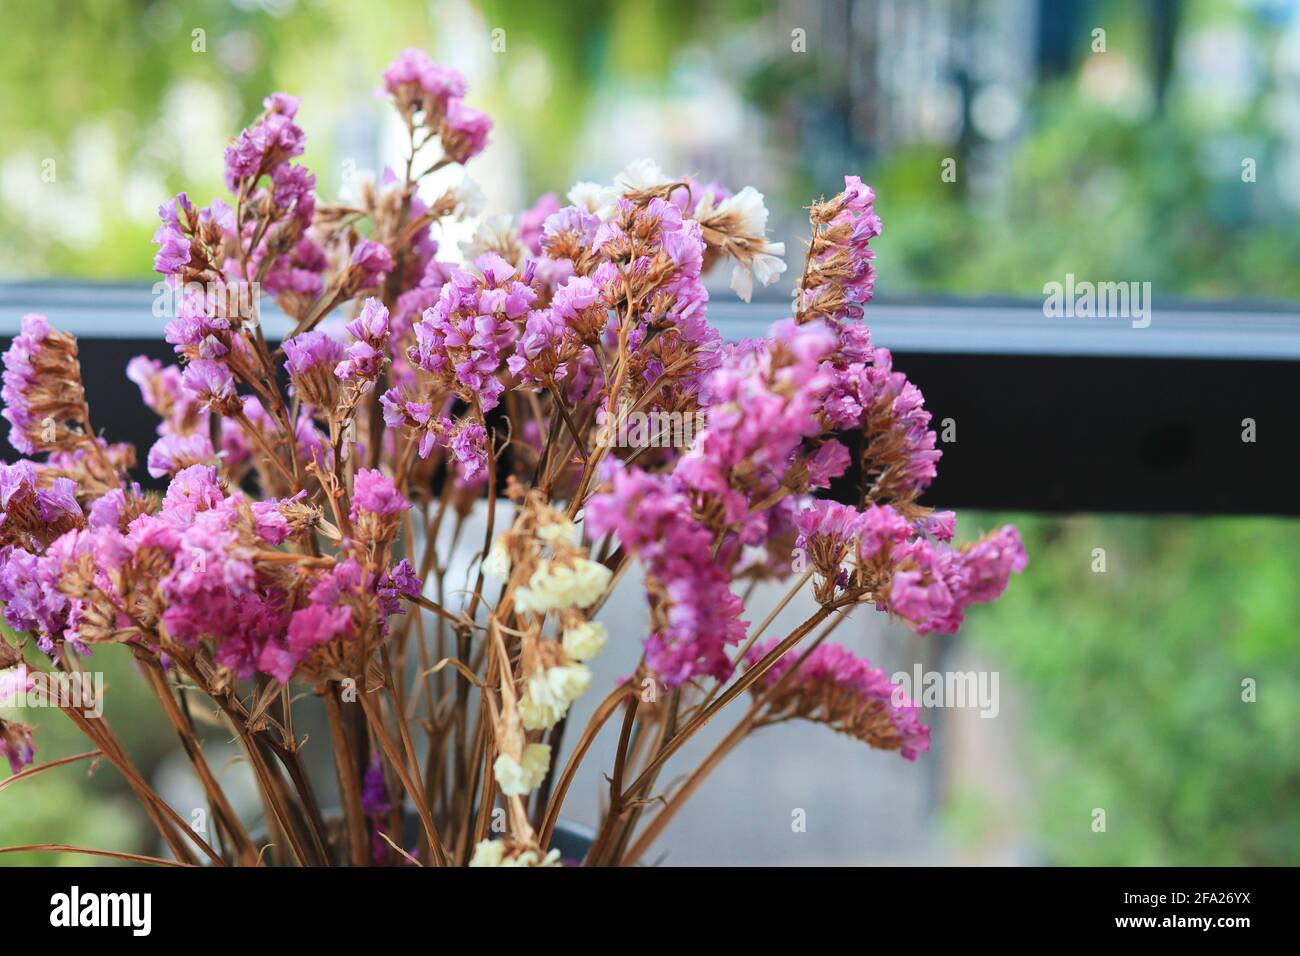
[(705, 206), (747, 206), (642, 174), (469, 197), (742, 280), (497, 563), (590, 196), (765, 265), (518, 778), (549, 693), (493, 853), (585, 641), (494, 234), (750, 215), (356, 182), (555, 586)]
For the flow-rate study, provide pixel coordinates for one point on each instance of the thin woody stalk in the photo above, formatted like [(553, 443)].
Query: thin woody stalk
[(737, 688), (738, 733), (224, 813), (349, 775)]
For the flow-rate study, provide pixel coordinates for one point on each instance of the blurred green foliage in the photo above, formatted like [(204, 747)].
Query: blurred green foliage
[(84, 803), (1098, 195), (1134, 679)]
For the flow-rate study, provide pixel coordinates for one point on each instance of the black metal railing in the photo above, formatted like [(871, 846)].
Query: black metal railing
[(1033, 413)]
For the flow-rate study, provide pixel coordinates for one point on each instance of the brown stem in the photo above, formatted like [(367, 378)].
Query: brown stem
[(221, 807), (751, 675), (412, 787), (349, 778), (675, 802), (598, 719), (616, 795)]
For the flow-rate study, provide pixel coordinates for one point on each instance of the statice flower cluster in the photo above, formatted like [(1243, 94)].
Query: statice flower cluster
[(409, 514), (834, 686)]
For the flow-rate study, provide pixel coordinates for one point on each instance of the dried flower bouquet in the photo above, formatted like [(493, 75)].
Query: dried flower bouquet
[(298, 559)]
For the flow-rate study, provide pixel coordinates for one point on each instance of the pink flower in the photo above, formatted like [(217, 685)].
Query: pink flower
[(414, 75), (315, 625), (835, 687), (465, 131), (531, 220), (654, 522), (209, 382), (376, 493)]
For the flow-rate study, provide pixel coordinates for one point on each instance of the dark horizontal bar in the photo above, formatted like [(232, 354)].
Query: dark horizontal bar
[(1049, 414)]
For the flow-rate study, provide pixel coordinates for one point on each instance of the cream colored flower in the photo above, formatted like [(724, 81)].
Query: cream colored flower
[(549, 692), (497, 563), (554, 586), (560, 532), (519, 778), (494, 853), (585, 641)]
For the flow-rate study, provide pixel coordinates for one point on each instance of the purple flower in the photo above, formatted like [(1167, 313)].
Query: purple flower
[(58, 501), (192, 490), (469, 446), (173, 453), (373, 258), (830, 461), (273, 140), (315, 625), (173, 235), (209, 382), (762, 406), (405, 580), (362, 364), (173, 250), (840, 278), (310, 350), (461, 339), (371, 325), (653, 521), (934, 583), (16, 744), (828, 523), (881, 530), (989, 563), (294, 191), (271, 524), (23, 375), (374, 793), (282, 103)]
